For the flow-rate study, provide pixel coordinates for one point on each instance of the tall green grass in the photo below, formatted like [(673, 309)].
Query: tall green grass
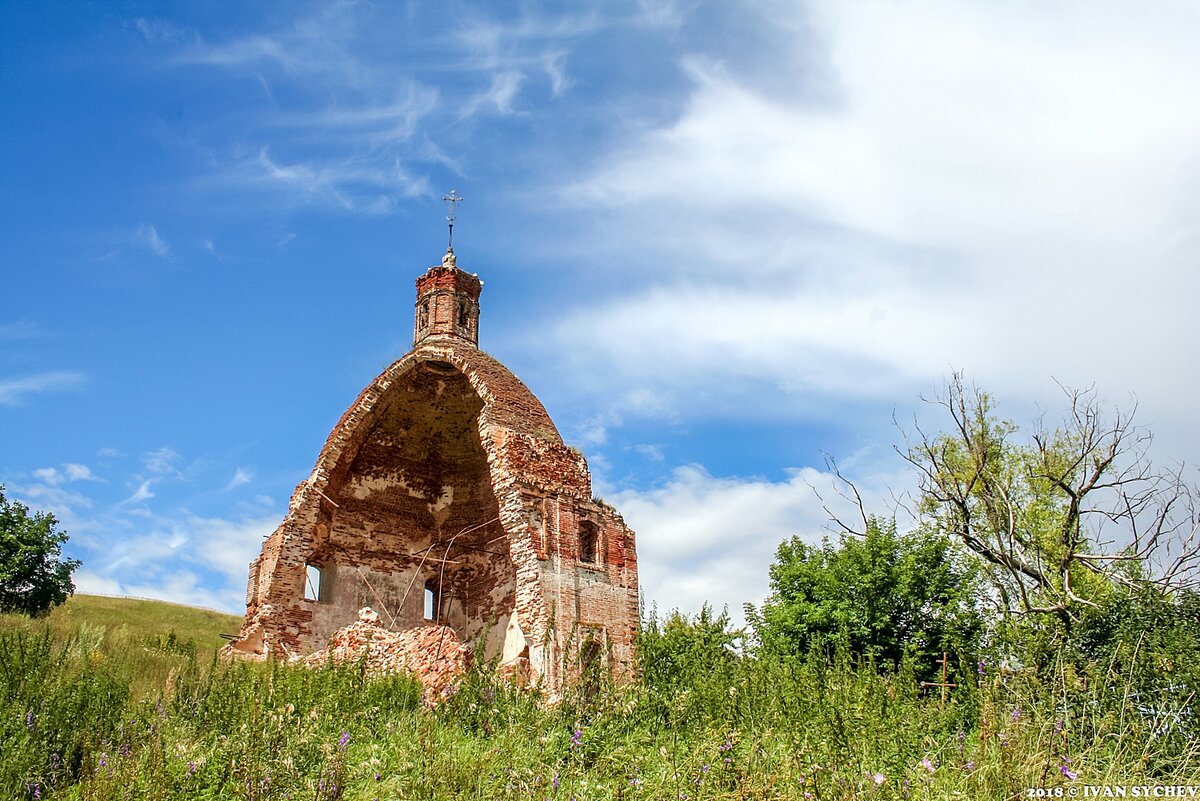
[(80, 719)]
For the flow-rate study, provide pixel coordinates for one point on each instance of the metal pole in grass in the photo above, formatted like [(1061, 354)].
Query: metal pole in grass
[(945, 685)]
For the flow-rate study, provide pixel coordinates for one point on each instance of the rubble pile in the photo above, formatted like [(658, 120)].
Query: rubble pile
[(435, 655)]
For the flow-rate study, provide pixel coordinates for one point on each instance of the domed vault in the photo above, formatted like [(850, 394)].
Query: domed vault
[(445, 495)]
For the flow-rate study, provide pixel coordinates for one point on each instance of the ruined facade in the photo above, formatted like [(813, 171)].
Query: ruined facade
[(445, 496)]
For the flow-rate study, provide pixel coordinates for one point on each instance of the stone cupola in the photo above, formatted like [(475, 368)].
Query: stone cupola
[(447, 303)]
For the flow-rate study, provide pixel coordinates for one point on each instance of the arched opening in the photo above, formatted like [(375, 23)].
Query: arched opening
[(413, 500), (589, 542)]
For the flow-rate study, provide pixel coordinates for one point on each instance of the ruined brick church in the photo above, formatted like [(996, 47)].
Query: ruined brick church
[(445, 497)]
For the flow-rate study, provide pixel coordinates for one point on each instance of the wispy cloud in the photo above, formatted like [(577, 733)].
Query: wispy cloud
[(241, 476), (158, 31), (142, 493), (21, 329), (16, 391), (161, 461), (148, 237)]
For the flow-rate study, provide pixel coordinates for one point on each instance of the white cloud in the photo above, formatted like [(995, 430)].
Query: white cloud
[(1009, 193), (49, 476), (79, 472), (240, 477), (161, 462), (702, 538), (147, 236), (142, 493), (14, 391), (70, 472), (157, 31)]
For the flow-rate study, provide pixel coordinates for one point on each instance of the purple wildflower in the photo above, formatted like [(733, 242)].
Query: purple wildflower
[(927, 763), (344, 740), (124, 749), (982, 666), (878, 778), (34, 789), (970, 766), (191, 768), (1016, 713), (577, 738), (705, 768), (1065, 769), (29, 719), (103, 760), (554, 781), (1058, 725)]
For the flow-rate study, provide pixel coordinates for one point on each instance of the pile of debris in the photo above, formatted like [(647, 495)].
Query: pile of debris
[(433, 654)]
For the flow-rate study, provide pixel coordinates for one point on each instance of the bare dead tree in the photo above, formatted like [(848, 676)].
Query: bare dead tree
[(1078, 509)]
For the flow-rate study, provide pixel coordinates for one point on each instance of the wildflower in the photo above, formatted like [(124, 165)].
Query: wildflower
[(125, 749), (191, 768), (927, 763), (1058, 725), (1065, 770), (705, 768), (982, 666), (344, 740), (878, 778), (34, 789), (1016, 713), (554, 781), (970, 766), (378, 778), (29, 719), (103, 761), (577, 738), (635, 782)]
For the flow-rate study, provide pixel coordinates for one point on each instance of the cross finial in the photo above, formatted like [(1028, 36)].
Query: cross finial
[(452, 201)]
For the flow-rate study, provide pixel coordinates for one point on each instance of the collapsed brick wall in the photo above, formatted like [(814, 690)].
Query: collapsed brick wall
[(447, 471)]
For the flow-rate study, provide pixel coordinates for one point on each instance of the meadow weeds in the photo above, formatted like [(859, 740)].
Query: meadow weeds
[(79, 719)]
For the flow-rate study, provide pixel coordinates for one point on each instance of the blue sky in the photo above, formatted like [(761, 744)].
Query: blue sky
[(718, 240)]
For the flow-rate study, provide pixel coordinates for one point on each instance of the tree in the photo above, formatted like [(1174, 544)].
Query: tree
[(888, 594), (1065, 519), (33, 575)]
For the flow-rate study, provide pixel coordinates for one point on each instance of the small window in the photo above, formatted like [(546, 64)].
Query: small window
[(464, 315), (316, 583), (432, 599), (423, 315), (589, 541)]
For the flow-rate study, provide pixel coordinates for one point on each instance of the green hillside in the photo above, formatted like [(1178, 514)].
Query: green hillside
[(136, 620)]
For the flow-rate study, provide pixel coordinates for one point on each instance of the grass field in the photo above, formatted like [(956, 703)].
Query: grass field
[(101, 702), (141, 618)]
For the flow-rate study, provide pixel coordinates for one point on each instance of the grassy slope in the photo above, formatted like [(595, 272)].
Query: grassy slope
[(141, 619)]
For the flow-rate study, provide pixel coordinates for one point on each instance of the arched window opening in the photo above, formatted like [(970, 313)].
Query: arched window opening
[(433, 599), (464, 314), (423, 315), (318, 583), (589, 542)]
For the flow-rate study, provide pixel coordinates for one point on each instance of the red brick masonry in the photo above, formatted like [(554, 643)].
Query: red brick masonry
[(446, 478)]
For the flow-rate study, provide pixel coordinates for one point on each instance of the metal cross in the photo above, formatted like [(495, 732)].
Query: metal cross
[(452, 201), (944, 684)]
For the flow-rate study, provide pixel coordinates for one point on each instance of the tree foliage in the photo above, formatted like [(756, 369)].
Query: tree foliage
[(1064, 519), (887, 594), (34, 577)]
